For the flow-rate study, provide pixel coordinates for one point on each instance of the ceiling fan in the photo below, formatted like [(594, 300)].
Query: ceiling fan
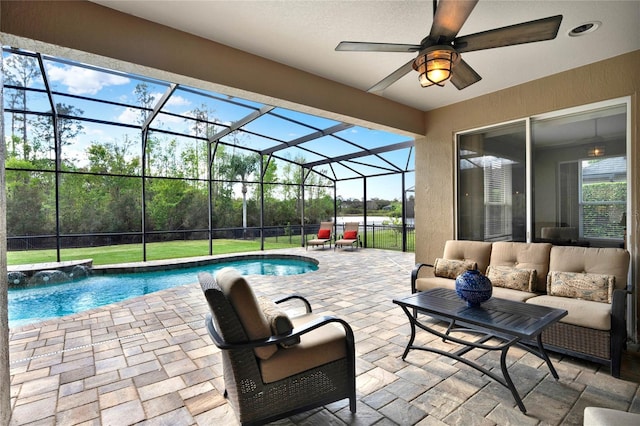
[(439, 53)]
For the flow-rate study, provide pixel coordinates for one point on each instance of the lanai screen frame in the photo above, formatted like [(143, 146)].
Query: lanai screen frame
[(353, 161)]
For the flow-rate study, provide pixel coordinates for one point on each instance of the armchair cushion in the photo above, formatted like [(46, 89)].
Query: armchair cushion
[(448, 268), (594, 287), (278, 320), (239, 293), (514, 278), (318, 347)]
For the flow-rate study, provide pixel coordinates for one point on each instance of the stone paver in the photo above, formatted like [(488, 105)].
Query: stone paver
[(150, 361)]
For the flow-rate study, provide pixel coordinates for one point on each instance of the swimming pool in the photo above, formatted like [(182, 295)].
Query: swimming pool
[(34, 304)]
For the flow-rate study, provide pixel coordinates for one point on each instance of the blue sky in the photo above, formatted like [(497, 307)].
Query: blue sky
[(74, 80)]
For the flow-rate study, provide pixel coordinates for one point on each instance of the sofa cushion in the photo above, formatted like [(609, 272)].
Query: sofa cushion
[(448, 268), (514, 278), (427, 283), (591, 260), (584, 313), (511, 294), (524, 256), (239, 293), (320, 346), (278, 320), (477, 251), (594, 287)]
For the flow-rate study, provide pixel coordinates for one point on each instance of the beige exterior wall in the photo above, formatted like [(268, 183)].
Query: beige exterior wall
[(435, 154)]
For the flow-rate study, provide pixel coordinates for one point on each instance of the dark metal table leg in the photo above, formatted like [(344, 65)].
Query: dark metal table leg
[(507, 378), (543, 355), (412, 323)]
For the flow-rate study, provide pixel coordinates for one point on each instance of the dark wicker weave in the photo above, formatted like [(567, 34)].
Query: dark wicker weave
[(255, 402), (604, 347)]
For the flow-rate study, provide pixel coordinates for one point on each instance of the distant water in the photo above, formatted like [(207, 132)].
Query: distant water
[(371, 220)]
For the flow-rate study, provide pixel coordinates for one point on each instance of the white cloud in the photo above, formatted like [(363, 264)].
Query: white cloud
[(173, 100), (128, 116), (82, 81)]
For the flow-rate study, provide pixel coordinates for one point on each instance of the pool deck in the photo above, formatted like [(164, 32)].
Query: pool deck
[(150, 361)]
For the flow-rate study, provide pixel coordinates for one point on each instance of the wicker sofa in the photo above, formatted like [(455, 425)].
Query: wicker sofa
[(593, 329)]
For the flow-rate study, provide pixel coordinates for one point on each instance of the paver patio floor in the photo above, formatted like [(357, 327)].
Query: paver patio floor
[(149, 360)]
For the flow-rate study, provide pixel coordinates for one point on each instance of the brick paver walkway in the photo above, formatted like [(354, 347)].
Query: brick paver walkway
[(150, 361)]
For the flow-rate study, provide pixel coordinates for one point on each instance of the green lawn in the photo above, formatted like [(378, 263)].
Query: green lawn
[(155, 251), (176, 249)]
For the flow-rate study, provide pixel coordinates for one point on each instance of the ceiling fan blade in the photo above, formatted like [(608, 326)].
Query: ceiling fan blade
[(449, 18), (357, 46), (463, 75), (526, 32), (392, 78)]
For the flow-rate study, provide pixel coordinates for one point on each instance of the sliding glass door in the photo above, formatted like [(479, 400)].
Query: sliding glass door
[(580, 177), (491, 184), (563, 181)]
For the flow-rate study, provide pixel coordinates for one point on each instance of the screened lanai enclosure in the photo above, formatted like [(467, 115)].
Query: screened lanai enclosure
[(97, 157)]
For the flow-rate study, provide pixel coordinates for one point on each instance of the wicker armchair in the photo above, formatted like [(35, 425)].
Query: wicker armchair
[(272, 376)]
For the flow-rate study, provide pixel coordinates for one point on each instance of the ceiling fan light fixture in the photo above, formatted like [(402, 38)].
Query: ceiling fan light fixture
[(434, 65)]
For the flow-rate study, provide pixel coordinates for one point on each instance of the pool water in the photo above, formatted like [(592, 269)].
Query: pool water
[(35, 304)]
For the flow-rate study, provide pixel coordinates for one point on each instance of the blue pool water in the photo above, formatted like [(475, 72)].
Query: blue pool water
[(34, 304)]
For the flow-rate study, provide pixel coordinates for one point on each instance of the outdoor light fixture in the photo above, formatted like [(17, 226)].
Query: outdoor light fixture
[(434, 65), (596, 151)]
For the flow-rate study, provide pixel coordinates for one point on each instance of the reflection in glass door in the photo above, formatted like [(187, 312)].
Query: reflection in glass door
[(491, 184), (579, 175)]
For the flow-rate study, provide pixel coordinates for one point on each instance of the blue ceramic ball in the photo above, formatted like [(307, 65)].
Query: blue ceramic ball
[(473, 287)]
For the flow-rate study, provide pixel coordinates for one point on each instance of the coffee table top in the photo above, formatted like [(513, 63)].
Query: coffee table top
[(524, 320)]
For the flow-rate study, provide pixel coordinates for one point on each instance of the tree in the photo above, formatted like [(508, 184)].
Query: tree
[(243, 166), (145, 101), (201, 127), (20, 71), (67, 129)]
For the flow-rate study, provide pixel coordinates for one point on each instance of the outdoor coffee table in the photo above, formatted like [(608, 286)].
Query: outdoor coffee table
[(509, 322)]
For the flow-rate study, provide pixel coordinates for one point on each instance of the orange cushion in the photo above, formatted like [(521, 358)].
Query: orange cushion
[(324, 234), (350, 235)]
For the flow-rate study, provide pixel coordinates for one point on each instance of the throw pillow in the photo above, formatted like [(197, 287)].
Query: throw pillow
[(324, 234), (594, 287), (278, 320), (350, 235), (515, 278), (449, 268)]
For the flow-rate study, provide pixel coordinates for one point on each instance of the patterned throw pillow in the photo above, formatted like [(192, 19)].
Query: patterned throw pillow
[(449, 268), (594, 287), (515, 278), (278, 320)]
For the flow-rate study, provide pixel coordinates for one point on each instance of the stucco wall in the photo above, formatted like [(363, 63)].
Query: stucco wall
[(435, 154)]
